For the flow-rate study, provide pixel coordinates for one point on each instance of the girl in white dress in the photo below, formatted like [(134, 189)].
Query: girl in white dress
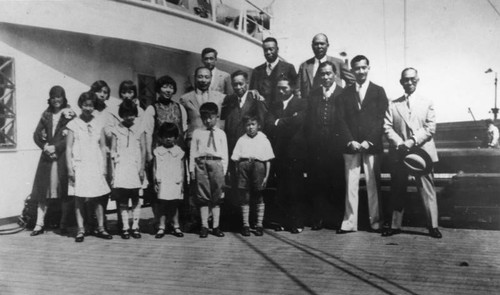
[(85, 157), (169, 178), (128, 150)]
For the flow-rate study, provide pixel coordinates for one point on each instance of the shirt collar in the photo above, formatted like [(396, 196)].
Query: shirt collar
[(331, 90), (273, 64), (243, 98)]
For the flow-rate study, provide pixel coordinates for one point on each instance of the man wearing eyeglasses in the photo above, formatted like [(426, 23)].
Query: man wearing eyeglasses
[(410, 122)]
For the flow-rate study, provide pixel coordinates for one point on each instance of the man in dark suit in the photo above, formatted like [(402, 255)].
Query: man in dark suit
[(308, 80), (265, 76), (234, 108), (285, 125), (362, 109), (325, 163), (411, 121)]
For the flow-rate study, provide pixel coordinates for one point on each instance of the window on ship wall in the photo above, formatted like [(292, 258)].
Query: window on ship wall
[(147, 93), (8, 136)]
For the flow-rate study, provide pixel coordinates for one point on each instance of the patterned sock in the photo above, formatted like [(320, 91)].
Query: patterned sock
[(216, 216), (245, 211), (204, 216), (260, 214)]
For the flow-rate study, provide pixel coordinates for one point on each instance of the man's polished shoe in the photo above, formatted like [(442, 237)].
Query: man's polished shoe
[(217, 232), (203, 232), (387, 232), (435, 233), (259, 231), (341, 231), (103, 235), (317, 226), (245, 231)]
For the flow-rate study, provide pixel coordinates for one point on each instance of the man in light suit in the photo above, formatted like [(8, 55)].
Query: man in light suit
[(192, 101), (410, 121), (221, 80), (308, 80), (265, 76), (362, 109)]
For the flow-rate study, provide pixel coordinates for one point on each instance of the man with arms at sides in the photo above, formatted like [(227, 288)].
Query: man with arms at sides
[(234, 108), (362, 109), (285, 126), (221, 80), (325, 163), (308, 80), (192, 101), (265, 76), (409, 122)]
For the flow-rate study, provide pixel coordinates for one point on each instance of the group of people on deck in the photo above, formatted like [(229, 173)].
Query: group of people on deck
[(223, 143)]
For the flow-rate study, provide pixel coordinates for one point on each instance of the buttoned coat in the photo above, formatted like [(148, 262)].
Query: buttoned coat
[(419, 122), (266, 85), (308, 81), (363, 122)]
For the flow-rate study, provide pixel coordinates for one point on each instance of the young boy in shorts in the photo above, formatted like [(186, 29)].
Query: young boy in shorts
[(208, 161), (252, 154)]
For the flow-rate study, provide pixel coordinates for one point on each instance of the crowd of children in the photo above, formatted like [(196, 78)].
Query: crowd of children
[(115, 150)]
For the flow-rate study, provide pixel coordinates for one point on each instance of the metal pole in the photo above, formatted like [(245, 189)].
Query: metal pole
[(495, 109)]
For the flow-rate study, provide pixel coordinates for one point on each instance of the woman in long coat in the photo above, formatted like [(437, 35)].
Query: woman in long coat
[(51, 178)]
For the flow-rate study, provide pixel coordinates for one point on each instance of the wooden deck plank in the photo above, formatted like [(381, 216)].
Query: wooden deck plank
[(277, 263)]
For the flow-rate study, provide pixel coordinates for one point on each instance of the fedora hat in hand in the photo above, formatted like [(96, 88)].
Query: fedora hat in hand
[(417, 162)]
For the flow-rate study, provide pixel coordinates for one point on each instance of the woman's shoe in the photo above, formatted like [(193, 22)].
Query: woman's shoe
[(136, 234), (79, 237), (103, 235), (177, 232), (160, 233), (38, 231)]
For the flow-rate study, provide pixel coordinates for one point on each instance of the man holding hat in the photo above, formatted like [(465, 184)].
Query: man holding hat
[(409, 125)]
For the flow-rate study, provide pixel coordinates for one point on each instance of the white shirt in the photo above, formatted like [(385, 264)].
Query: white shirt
[(316, 64), (361, 89), (270, 66), (257, 147), (330, 91), (200, 147), (243, 99)]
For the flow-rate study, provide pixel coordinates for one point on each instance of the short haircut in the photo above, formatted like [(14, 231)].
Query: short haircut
[(208, 50), (98, 85), (89, 95), (270, 39), (209, 108), (252, 116), (359, 58), (328, 63), (200, 68), (58, 91), (284, 78), (168, 129), (165, 80), (127, 85), (127, 108), (239, 73), (321, 34), (408, 69)]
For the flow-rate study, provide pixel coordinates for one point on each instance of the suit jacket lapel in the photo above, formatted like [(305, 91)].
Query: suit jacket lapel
[(309, 70), (404, 111)]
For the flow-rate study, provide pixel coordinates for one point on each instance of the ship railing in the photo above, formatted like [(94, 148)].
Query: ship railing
[(240, 15)]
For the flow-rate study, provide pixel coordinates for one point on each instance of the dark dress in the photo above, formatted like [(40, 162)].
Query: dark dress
[(43, 135)]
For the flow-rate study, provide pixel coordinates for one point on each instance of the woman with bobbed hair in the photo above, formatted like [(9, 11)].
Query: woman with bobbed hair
[(51, 180)]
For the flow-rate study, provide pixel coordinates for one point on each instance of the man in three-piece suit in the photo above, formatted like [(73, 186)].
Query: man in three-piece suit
[(325, 165), (285, 127), (410, 121), (308, 80), (265, 76), (192, 101), (362, 108), (221, 81)]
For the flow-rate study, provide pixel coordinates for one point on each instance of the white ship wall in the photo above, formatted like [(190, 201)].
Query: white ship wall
[(44, 58)]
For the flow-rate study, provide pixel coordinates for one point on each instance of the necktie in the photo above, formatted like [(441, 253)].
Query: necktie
[(358, 97), (211, 139), (269, 69), (325, 93), (239, 102)]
